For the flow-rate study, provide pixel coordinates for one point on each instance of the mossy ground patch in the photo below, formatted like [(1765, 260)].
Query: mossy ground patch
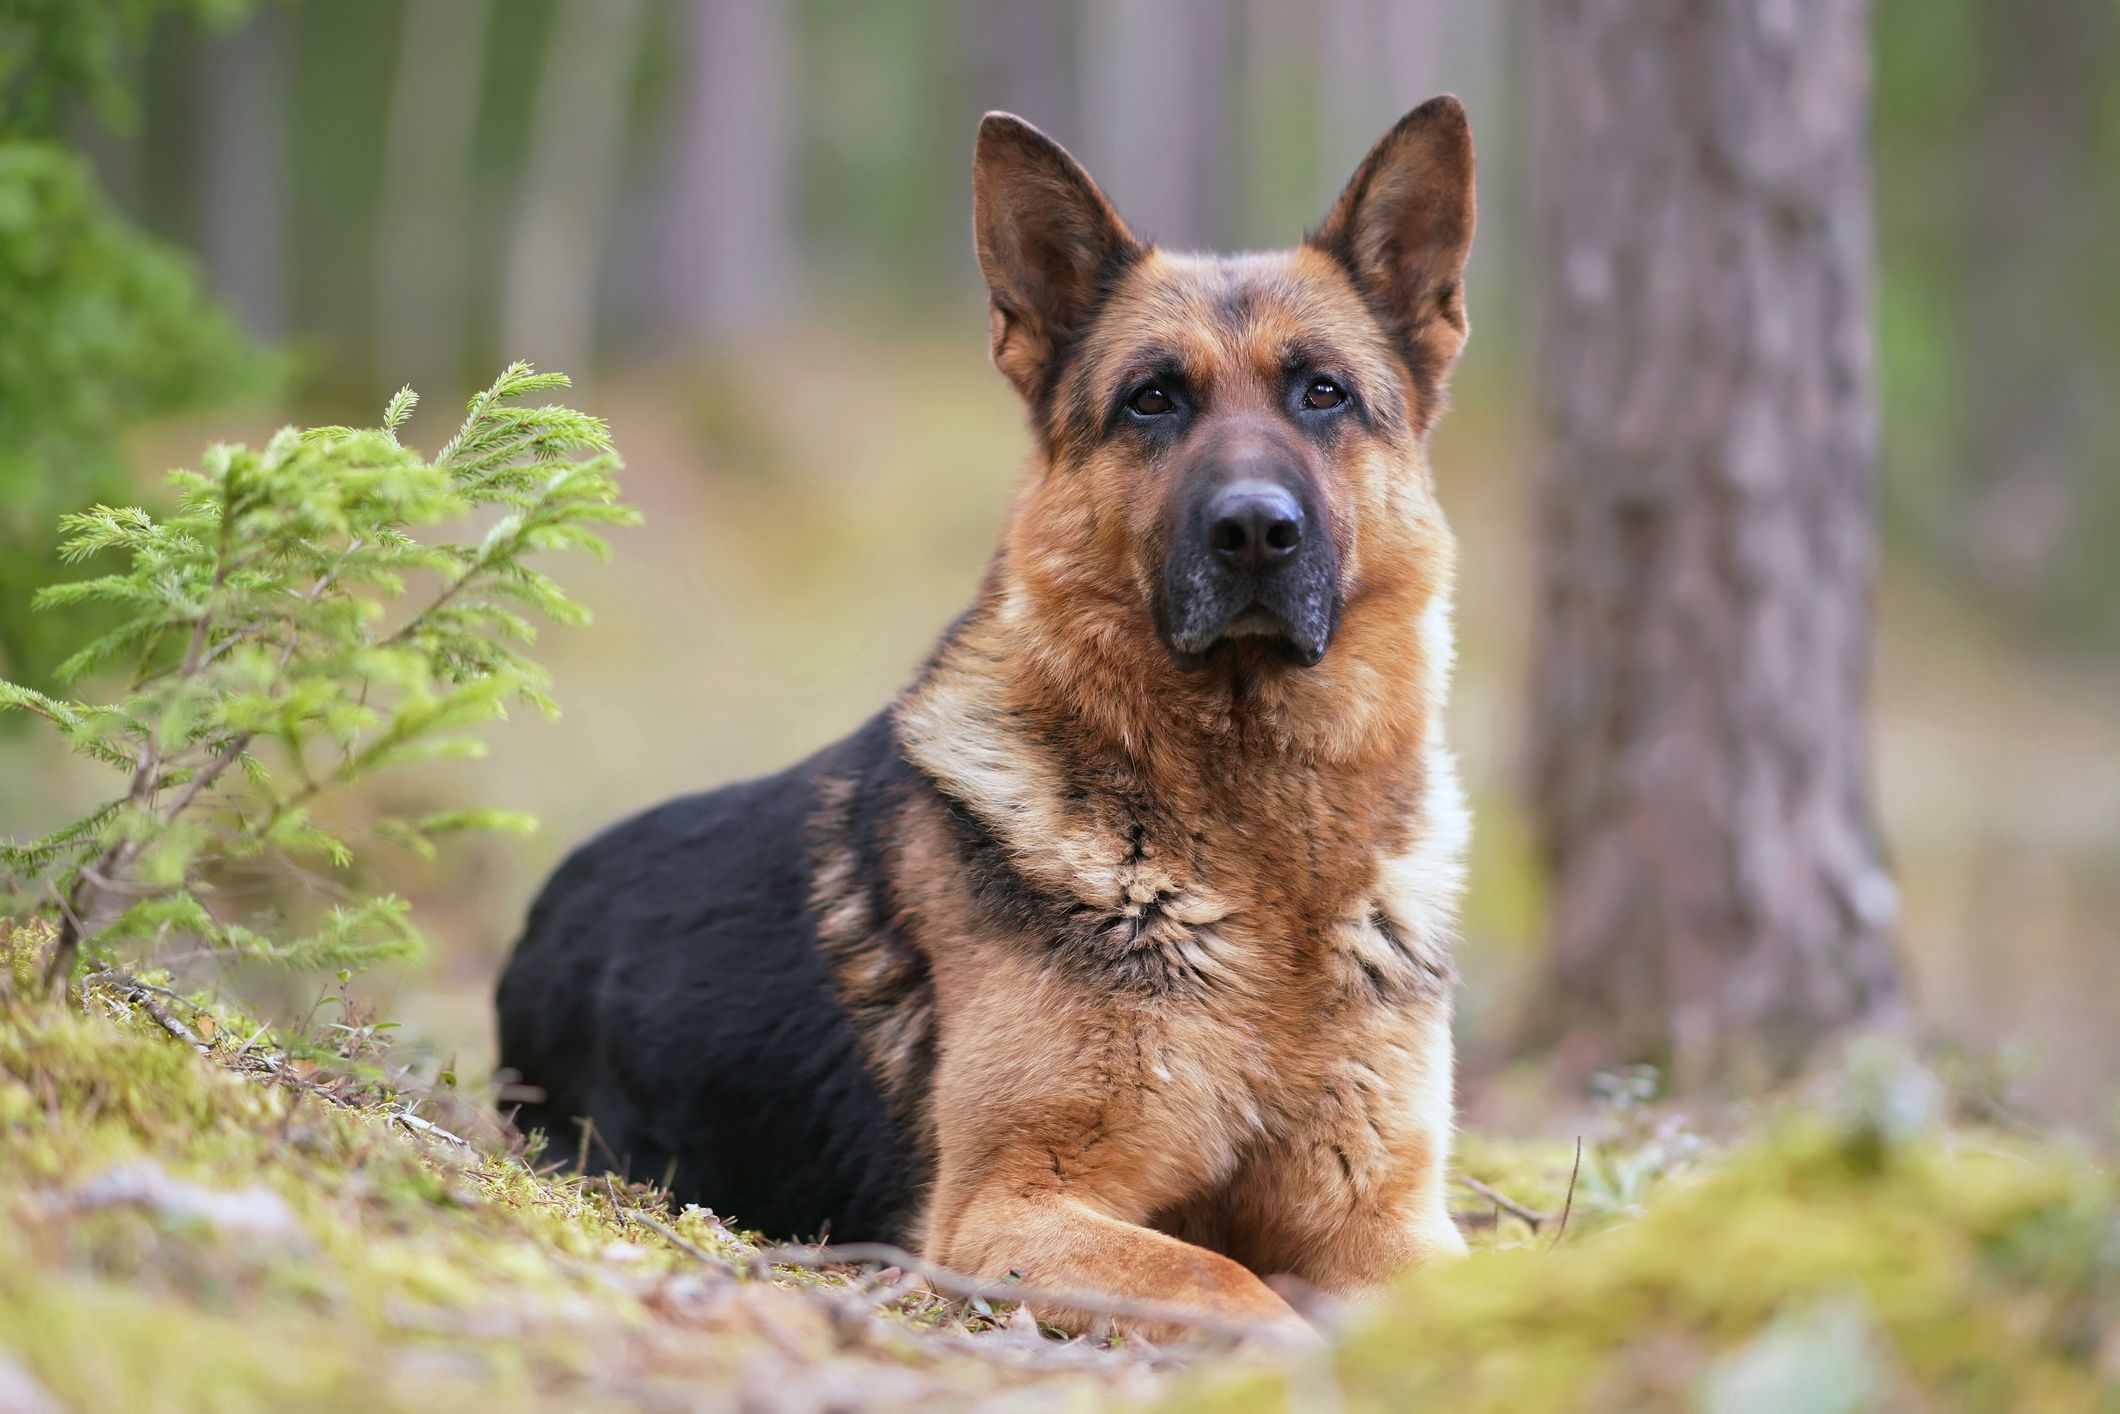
[(255, 1227)]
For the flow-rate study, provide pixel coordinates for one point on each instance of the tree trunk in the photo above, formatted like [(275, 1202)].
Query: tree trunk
[(1700, 761), (422, 302), (1155, 107), (244, 217), (725, 237), (1023, 52), (1376, 60), (570, 185)]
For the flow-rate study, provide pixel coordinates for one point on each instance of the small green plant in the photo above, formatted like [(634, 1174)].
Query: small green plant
[(272, 653)]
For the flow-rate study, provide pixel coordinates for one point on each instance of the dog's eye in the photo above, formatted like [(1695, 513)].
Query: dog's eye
[(1150, 401), (1323, 393)]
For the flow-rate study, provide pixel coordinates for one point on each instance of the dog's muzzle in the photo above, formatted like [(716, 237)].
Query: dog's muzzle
[(1250, 556)]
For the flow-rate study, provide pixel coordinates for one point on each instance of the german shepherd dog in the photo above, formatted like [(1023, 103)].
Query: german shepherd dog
[(1115, 952)]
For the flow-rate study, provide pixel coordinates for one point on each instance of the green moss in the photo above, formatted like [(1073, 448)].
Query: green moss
[(311, 1251), (296, 1246), (1813, 1268)]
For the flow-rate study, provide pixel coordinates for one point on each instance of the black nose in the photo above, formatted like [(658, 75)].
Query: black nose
[(1254, 525)]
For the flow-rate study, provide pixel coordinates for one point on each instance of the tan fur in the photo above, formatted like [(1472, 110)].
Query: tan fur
[(1285, 844)]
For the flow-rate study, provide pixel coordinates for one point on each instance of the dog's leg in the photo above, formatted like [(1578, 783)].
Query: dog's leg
[(1059, 1241), (1056, 1144), (1359, 1190)]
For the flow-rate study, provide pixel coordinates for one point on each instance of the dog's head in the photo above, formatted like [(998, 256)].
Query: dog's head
[(1232, 468)]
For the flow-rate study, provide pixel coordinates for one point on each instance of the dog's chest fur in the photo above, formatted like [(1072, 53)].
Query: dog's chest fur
[(1230, 943), (1239, 893)]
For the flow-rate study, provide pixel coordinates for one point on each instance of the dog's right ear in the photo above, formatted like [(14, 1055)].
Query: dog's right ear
[(1048, 244)]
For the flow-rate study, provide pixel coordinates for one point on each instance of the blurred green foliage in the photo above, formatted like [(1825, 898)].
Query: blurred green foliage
[(107, 328), (57, 52), (1997, 160)]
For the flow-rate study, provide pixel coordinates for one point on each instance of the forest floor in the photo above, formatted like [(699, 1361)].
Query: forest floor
[(200, 1212)]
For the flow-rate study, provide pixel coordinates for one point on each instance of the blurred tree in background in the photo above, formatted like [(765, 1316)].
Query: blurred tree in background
[(105, 327), (1701, 673)]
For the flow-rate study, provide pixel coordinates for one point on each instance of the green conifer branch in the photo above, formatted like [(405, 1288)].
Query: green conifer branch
[(265, 665)]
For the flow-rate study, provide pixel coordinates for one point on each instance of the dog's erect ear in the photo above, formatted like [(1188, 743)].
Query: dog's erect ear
[(1048, 244), (1403, 228)]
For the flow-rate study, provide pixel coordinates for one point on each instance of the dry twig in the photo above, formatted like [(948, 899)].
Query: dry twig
[(169, 1023), (1568, 1206), (1509, 1205), (426, 1126), (132, 989), (964, 1287), (669, 1234)]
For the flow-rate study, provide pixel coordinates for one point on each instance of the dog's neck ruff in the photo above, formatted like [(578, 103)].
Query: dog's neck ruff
[(1205, 834)]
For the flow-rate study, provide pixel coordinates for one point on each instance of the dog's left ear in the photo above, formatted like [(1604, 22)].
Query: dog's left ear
[(1403, 228), (1048, 242)]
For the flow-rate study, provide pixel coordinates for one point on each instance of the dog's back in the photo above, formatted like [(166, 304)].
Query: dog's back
[(670, 987)]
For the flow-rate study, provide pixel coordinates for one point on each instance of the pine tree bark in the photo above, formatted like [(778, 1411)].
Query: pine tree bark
[(1719, 903), (570, 185), (423, 234), (243, 222), (1155, 110), (721, 263)]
